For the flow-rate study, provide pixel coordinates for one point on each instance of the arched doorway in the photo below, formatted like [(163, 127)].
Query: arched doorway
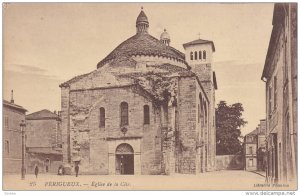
[(124, 159)]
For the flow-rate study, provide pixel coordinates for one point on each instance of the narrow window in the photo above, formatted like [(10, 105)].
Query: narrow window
[(124, 113), (270, 100), (191, 55), (275, 92), (204, 54), (250, 162), (146, 115), (102, 117), (196, 56), (250, 150), (6, 121), (205, 112), (200, 55), (6, 147)]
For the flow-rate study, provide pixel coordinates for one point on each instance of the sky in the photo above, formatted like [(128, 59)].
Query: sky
[(45, 44)]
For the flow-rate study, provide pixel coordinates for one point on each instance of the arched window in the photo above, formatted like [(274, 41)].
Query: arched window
[(146, 115), (102, 117), (191, 55), (200, 55), (124, 113), (196, 56), (204, 54)]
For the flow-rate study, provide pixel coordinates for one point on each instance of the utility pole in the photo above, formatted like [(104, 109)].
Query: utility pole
[(23, 125)]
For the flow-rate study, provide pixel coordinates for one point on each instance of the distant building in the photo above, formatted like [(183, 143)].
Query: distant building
[(43, 141), (280, 75), (250, 146), (261, 146), (13, 115), (254, 148)]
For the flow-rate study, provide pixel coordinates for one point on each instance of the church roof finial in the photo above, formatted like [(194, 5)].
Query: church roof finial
[(12, 97), (142, 23)]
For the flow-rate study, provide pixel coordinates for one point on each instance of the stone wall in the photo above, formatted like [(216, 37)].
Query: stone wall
[(187, 114), (229, 162), (89, 142), (39, 159), (43, 128)]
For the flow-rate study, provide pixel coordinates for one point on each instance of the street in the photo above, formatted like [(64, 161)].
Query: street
[(217, 180)]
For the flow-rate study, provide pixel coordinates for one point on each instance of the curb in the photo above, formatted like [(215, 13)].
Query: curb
[(257, 173)]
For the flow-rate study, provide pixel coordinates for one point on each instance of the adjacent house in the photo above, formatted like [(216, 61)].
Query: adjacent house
[(280, 77), (13, 115), (43, 141)]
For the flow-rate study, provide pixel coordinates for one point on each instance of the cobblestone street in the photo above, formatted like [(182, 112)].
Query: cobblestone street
[(217, 180)]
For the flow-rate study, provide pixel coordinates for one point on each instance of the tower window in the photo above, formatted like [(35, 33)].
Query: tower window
[(124, 113), (6, 121), (191, 55), (146, 115), (102, 117), (204, 54), (250, 150), (196, 56), (200, 54)]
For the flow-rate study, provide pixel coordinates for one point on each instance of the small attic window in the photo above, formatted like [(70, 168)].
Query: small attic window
[(204, 54)]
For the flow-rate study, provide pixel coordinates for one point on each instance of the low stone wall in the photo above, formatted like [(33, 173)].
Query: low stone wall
[(229, 162)]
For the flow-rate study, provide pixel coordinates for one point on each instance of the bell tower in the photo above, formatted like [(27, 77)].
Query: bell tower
[(199, 56)]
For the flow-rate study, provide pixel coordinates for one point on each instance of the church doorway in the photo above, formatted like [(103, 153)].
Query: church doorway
[(124, 159)]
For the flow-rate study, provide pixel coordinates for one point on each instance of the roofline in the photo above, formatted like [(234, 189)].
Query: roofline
[(100, 88), (207, 42), (275, 34), (102, 62), (14, 106), (42, 118)]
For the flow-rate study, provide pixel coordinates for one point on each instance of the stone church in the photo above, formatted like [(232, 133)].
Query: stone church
[(147, 109)]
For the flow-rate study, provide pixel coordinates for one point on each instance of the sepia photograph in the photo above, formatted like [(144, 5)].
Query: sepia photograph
[(150, 96)]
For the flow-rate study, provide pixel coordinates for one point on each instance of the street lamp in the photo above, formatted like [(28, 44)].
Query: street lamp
[(23, 125)]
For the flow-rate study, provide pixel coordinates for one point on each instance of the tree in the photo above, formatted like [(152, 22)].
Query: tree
[(228, 128)]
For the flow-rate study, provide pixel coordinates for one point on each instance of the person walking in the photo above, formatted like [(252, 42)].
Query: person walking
[(36, 171), (76, 169)]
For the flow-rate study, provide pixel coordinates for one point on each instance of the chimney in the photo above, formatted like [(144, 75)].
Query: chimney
[(12, 97)]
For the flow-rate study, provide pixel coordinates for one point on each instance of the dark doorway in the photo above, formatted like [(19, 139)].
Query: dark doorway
[(124, 160), (125, 164), (47, 163)]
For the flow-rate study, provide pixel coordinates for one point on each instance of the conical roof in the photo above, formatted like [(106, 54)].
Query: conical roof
[(142, 18)]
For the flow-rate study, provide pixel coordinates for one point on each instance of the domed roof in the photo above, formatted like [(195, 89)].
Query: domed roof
[(165, 35), (143, 44), (142, 18)]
